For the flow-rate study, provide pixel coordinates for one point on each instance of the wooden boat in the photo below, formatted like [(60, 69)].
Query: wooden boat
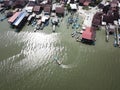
[(58, 62), (53, 28)]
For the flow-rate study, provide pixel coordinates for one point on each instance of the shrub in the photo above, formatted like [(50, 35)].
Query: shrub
[(85, 7)]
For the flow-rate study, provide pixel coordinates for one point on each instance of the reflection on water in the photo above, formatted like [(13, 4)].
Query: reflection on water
[(38, 48), (66, 66)]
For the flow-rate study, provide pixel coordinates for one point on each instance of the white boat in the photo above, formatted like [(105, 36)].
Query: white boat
[(58, 62), (53, 28)]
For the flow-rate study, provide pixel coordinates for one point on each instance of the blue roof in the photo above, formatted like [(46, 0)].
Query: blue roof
[(20, 18)]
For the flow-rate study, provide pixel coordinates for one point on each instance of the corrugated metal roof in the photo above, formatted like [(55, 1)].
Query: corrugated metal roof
[(20, 18), (36, 8), (59, 10), (14, 17), (89, 33)]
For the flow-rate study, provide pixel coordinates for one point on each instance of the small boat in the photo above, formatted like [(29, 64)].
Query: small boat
[(42, 26), (34, 23), (1, 9), (3, 18), (53, 28), (35, 30), (58, 62), (37, 27)]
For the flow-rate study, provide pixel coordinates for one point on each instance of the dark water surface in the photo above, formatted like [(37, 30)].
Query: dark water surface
[(27, 61)]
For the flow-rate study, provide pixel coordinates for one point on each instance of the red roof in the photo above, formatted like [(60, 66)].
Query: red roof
[(36, 8), (13, 18), (96, 21), (81, 1), (86, 3), (89, 33), (47, 9), (59, 10)]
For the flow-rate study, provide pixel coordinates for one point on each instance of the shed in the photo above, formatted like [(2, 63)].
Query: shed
[(108, 18), (101, 6), (86, 2), (89, 34), (81, 1), (36, 9), (20, 18), (47, 9), (49, 1), (60, 11), (18, 4), (97, 19), (73, 6), (31, 3), (14, 17), (29, 9), (96, 22)]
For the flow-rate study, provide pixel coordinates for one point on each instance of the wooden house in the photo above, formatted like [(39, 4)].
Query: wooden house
[(84, 2), (19, 3), (47, 9), (36, 9), (88, 36), (59, 11), (81, 2)]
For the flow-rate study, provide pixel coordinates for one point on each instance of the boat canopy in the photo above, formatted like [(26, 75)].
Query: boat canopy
[(29, 18), (44, 18), (29, 9)]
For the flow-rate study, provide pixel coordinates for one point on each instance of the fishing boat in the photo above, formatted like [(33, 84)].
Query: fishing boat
[(3, 18), (38, 25), (53, 28), (57, 61), (30, 18)]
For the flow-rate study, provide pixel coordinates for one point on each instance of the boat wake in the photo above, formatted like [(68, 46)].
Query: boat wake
[(59, 62), (66, 66)]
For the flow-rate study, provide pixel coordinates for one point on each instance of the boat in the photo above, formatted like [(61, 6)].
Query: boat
[(53, 28), (34, 22), (30, 18), (35, 30), (58, 62), (3, 18)]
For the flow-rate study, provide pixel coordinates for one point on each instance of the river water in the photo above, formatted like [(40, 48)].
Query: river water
[(27, 61)]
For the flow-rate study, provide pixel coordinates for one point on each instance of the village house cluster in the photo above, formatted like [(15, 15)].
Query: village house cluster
[(38, 13), (109, 17)]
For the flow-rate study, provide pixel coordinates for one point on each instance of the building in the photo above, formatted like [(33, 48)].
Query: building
[(13, 18), (19, 3), (84, 2), (59, 11), (47, 9), (88, 36), (36, 9), (97, 19), (18, 19)]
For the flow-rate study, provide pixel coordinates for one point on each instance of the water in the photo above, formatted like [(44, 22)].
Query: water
[(27, 61)]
